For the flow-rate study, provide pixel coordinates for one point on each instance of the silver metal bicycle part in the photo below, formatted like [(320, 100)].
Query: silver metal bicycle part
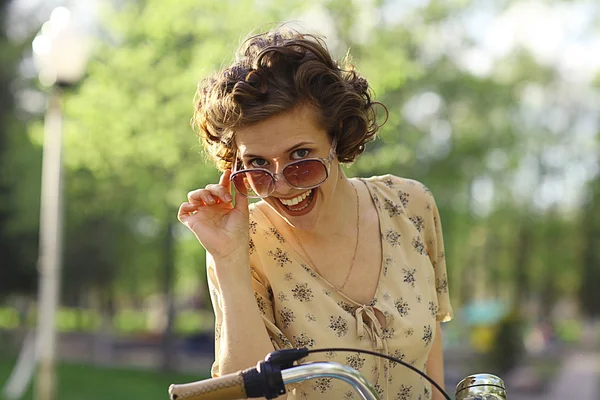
[(331, 370)]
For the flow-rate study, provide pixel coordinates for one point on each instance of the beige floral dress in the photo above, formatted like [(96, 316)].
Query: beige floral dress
[(301, 309)]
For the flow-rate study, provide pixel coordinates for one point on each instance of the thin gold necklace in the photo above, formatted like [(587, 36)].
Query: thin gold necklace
[(355, 246)]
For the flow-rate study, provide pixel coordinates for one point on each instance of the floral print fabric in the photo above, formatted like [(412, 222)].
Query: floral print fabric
[(301, 309)]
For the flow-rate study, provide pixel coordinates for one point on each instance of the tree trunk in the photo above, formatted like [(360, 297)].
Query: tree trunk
[(522, 255), (491, 263), (103, 337), (168, 339), (590, 278)]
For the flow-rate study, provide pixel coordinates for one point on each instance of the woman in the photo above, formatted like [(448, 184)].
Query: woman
[(321, 260)]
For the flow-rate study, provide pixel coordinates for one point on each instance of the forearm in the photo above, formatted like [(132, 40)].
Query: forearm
[(435, 363), (244, 339)]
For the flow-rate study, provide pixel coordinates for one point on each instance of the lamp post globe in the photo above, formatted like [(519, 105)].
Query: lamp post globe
[(61, 49)]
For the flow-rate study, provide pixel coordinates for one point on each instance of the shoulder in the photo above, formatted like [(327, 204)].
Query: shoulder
[(407, 191)]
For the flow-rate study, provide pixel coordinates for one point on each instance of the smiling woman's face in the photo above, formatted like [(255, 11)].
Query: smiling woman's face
[(277, 141)]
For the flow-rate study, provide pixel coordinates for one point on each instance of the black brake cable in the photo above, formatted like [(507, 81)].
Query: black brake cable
[(374, 353)]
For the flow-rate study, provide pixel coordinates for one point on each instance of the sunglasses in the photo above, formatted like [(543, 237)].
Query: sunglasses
[(257, 183)]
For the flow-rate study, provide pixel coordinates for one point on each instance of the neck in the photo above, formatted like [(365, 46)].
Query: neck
[(340, 216)]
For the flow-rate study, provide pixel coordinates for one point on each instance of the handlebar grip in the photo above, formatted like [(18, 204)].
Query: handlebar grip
[(226, 387)]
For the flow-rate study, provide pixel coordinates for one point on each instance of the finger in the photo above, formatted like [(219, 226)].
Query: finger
[(185, 210), (222, 190), (189, 207), (202, 197)]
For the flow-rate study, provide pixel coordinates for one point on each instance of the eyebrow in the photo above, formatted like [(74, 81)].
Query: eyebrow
[(294, 147)]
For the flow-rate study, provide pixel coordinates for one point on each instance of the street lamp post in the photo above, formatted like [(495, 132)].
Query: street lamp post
[(60, 52)]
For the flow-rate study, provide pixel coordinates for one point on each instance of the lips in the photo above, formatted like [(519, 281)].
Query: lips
[(299, 205), (291, 203)]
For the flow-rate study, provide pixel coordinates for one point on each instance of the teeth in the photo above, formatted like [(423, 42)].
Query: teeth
[(295, 200)]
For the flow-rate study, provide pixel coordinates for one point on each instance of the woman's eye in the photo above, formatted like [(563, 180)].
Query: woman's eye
[(300, 153), (258, 163)]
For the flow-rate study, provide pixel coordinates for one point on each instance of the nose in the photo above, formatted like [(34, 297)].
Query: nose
[(281, 185)]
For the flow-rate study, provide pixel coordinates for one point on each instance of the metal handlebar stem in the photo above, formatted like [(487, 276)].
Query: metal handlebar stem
[(331, 370)]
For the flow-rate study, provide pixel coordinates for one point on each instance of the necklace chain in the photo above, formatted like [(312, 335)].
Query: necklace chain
[(355, 246)]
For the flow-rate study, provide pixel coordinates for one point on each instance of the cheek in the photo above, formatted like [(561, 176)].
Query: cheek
[(271, 201), (328, 188), (334, 176)]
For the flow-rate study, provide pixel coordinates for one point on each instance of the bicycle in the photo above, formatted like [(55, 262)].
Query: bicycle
[(269, 378)]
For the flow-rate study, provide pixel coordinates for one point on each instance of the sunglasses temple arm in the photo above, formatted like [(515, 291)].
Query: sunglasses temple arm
[(233, 170)]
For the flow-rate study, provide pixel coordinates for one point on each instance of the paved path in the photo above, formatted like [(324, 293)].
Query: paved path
[(577, 380)]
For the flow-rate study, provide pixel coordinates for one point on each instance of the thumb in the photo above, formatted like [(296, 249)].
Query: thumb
[(225, 179), (241, 203)]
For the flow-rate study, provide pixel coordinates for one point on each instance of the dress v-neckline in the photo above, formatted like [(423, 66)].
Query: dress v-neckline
[(300, 259)]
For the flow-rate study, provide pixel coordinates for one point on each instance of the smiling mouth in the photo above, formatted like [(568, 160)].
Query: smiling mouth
[(298, 203)]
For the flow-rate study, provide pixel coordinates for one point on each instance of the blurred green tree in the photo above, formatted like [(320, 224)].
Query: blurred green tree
[(465, 133), (19, 179), (129, 129), (590, 277)]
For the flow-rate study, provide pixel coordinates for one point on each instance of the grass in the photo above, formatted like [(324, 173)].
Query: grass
[(77, 382)]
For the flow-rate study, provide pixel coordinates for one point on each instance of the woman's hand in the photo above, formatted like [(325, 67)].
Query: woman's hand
[(219, 226)]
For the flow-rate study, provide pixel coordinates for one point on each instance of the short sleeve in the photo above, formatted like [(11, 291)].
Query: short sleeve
[(434, 242), (422, 211), (264, 300)]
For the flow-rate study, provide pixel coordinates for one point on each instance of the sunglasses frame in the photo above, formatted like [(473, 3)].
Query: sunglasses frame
[(325, 161)]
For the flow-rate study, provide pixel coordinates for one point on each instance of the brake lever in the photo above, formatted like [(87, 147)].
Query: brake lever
[(266, 380)]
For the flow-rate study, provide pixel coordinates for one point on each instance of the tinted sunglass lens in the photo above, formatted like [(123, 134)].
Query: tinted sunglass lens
[(239, 182), (305, 173), (253, 183)]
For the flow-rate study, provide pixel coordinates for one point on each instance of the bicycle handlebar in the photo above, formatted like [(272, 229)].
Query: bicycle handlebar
[(269, 377), (250, 383), (231, 386)]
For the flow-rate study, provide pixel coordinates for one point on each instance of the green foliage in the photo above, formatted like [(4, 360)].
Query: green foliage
[(590, 277), (125, 321), (131, 156), (128, 129), (569, 330), (129, 132), (19, 179)]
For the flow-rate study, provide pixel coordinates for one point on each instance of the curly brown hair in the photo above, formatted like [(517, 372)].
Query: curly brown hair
[(273, 73)]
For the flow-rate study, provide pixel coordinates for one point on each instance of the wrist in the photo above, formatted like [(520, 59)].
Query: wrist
[(232, 268)]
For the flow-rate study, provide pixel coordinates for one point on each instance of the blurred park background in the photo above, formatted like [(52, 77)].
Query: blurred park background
[(494, 105)]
